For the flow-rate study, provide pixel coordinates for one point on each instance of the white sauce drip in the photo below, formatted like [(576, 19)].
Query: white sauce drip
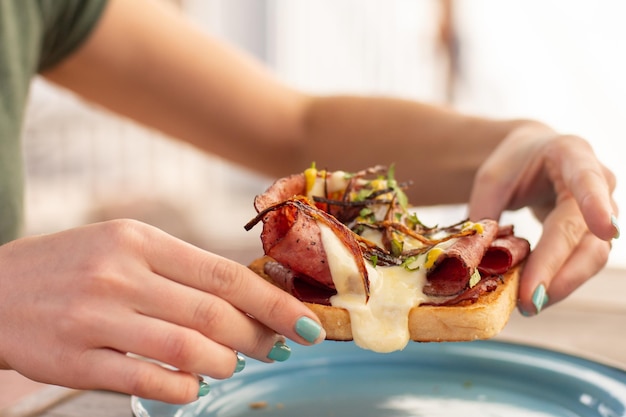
[(382, 323)]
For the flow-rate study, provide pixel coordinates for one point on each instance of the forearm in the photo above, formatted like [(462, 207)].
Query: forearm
[(192, 87), (185, 83), (438, 149)]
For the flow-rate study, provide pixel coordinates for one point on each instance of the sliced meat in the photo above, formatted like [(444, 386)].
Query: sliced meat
[(503, 254), (291, 231), (289, 235), (303, 288), (471, 295), (281, 190), (292, 236), (294, 239), (453, 269)]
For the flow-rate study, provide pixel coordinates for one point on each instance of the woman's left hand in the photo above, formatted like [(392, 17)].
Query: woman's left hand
[(569, 190)]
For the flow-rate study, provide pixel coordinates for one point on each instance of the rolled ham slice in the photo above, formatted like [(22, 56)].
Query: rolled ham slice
[(453, 269), (503, 254), (294, 239), (289, 236)]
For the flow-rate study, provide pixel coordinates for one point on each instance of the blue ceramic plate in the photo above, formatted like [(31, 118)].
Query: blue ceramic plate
[(473, 379)]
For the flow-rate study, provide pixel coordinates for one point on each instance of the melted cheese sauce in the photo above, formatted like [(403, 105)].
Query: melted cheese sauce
[(380, 324)]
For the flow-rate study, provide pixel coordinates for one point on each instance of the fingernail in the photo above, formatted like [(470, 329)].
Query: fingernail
[(524, 313), (615, 225), (308, 329), (204, 389), (241, 363), (540, 297), (280, 352)]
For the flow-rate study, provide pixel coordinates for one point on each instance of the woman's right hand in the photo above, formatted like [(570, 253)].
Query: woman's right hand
[(74, 303)]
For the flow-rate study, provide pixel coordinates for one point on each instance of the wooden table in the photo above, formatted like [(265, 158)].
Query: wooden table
[(591, 323)]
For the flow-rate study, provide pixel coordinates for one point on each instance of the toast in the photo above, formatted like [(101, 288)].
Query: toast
[(481, 319)]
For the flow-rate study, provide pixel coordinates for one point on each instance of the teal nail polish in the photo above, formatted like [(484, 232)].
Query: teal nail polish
[(241, 363), (280, 352), (204, 389), (615, 225), (308, 329), (540, 297)]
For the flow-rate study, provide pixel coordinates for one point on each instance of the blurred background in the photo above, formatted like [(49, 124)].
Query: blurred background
[(559, 62)]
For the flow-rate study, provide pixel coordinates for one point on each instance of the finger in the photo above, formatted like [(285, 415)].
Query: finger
[(491, 192), (208, 314), (110, 370), (588, 259), (563, 230), (587, 180), (236, 284), (169, 343)]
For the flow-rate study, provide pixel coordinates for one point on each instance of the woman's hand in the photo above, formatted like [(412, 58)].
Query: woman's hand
[(569, 191), (73, 304)]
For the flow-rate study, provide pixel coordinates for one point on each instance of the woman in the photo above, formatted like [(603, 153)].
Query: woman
[(74, 303)]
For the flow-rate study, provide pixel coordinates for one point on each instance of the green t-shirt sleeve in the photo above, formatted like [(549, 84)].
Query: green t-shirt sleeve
[(65, 28)]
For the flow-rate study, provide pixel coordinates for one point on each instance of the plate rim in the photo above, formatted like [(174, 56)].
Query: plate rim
[(500, 348)]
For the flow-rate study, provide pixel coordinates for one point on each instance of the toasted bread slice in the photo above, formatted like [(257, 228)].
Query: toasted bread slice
[(481, 319)]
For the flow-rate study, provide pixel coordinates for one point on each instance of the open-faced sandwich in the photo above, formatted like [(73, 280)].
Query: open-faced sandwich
[(351, 247)]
